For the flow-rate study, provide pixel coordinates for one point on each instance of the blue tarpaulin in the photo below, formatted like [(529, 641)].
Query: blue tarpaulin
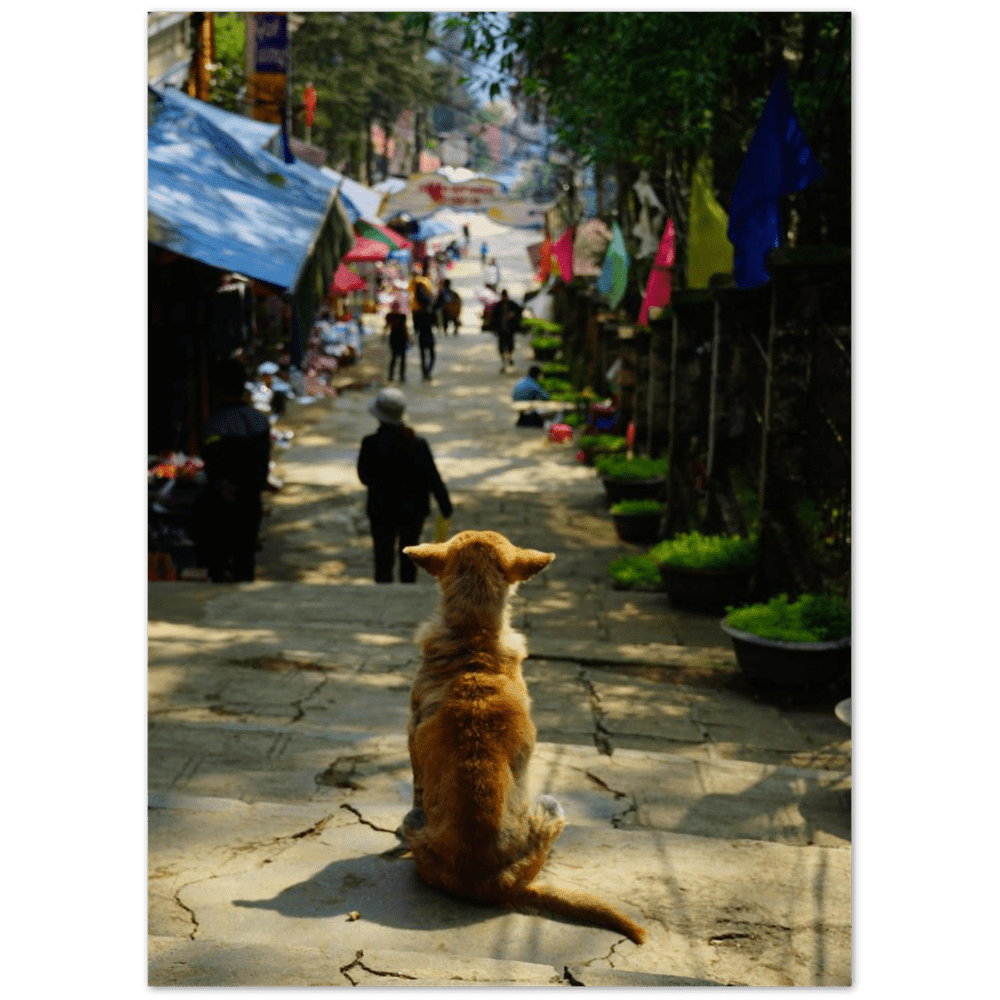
[(217, 195)]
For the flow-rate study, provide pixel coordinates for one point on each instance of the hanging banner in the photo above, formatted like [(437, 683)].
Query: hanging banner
[(271, 43)]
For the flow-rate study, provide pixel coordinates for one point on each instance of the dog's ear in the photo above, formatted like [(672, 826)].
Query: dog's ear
[(430, 557), (526, 563)]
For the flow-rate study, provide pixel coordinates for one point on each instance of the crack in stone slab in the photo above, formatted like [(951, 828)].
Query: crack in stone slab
[(361, 819), (298, 704), (357, 963), (605, 786), (187, 909), (601, 735)]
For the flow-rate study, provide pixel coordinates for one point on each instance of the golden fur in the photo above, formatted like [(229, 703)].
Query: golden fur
[(472, 830)]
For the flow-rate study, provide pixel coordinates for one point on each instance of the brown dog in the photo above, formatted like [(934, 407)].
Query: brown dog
[(472, 829)]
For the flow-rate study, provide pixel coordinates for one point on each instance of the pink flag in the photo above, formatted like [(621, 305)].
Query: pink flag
[(658, 288), (562, 250)]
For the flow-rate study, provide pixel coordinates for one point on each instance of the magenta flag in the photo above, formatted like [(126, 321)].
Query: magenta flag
[(659, 286), (562, 250)]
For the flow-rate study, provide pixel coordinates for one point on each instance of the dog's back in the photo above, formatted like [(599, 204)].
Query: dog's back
[(473, 831)]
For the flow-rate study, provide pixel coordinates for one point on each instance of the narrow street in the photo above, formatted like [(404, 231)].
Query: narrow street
[(278, 763)]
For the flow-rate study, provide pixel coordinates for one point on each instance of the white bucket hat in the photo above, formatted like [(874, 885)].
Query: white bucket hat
[(388, 406)]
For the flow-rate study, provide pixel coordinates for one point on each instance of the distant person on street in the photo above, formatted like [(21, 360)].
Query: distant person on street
[(399, 339), (465, 236), (399, 471), (492, 278), (422, 305), (529, 387), (483, 251), (448, 306), (507, 317), (236, 451)]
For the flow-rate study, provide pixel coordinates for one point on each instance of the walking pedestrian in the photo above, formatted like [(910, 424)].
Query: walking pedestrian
[(398, 468), (483, 251), (448, 306), (492, 278), (507, 317), (421, 306), (399, 339), (237, 452)]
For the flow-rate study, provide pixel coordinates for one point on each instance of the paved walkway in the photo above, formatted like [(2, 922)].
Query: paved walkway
[(278, 766)]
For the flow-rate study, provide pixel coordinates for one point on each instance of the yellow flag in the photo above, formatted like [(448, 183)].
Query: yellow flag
[(709, 249)]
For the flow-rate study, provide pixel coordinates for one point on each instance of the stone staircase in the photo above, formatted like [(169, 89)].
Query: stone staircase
[(278, 772)]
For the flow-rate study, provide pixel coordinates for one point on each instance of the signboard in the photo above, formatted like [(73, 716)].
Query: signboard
[(425, 193), (271, 31)]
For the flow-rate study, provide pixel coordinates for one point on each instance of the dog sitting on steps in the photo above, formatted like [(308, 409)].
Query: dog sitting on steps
[(472, 830)]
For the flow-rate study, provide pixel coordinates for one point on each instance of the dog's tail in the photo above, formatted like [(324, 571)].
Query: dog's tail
[(581, 906)]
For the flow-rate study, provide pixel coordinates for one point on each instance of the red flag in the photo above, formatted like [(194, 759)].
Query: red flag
[(545, 259), (562, 250), (659, 286)]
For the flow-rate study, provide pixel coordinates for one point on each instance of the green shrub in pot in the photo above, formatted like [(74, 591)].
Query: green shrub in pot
[(811, 618), (637, 507), (620, 466), (634, 573), (603, 443), (696, 551), (546, 343)]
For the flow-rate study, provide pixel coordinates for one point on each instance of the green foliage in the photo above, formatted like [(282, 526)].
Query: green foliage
[(557, 385), (367, 67), (697, 551), (603, 442), (546, 343), (637, 507), (623, 467), (573, 419), (812, 618), (635, 573), (228, 73), (541, 326), (555, 369)]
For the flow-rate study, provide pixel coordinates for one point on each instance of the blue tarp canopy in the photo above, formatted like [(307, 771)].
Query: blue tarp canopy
[(217, 195)]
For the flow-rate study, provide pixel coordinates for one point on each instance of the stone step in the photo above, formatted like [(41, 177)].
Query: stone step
[(331, 878), (629, 789), (183, 962)]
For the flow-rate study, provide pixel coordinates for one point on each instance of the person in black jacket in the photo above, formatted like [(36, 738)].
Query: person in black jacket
[(399, 471), (237, 451)]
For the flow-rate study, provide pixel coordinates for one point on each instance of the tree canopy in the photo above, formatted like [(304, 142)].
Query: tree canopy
[(654, 90)]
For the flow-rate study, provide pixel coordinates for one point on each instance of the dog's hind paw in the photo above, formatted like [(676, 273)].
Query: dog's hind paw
[(551, 805), (413, 820)]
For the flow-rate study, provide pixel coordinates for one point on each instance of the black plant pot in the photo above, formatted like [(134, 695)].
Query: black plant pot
[(637, 528), (713, 588), (770, 663), (634, 489), (545, 353)]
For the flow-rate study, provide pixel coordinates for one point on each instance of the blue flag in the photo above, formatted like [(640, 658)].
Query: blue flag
[(614, 275), (778, 162)]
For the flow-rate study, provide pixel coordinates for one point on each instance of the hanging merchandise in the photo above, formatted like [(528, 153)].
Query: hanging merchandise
[(650, 212)]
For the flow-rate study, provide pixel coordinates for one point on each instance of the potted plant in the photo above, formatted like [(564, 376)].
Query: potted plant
[(594, 445), (634, 573), (627, 478), (706, 569), (546, 348), (801, 644), (637, 520)]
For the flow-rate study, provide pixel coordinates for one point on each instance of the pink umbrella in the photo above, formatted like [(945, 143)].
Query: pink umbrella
[(366, 250), (345, 280)]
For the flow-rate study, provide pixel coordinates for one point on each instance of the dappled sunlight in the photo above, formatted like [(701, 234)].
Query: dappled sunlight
[(380, 639)]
